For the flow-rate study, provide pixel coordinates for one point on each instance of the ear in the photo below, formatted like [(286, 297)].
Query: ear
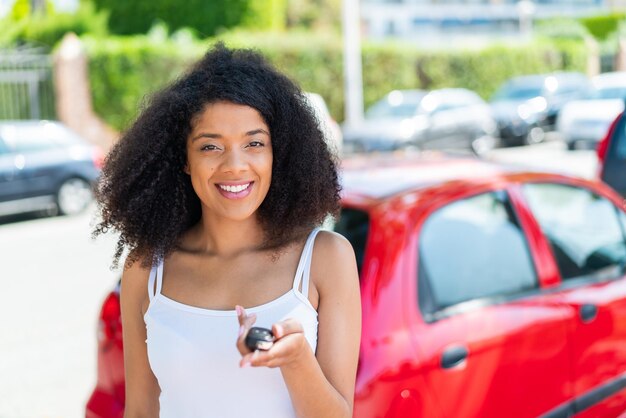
[(186, 169)]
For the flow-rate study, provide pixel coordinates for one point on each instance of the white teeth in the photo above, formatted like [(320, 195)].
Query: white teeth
[(235, 189)]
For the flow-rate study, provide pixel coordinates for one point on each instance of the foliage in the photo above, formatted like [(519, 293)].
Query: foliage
[(266, 15), (206, 17), (562, 28), (48, 29), (122, 70), (22, 9), (314, 14), (602, 26), (118, 66)]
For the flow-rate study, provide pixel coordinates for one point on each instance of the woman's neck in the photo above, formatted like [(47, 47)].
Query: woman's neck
[(224, 237)]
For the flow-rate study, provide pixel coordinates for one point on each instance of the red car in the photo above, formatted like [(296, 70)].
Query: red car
[(612, 156), (486, 292)]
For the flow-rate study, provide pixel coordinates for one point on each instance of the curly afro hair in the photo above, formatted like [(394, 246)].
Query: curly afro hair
[(144, 193)]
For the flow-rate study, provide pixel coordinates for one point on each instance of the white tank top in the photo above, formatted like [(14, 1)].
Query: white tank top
[(193, 355)]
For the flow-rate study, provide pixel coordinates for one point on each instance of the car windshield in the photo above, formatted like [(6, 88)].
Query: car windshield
[(395, 105), (610, 93), (518, 91)]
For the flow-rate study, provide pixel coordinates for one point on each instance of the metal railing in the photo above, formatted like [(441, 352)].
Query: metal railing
[(26, 84)]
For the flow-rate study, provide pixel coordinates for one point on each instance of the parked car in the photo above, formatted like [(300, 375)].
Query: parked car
[(527, 107), (612, 155), (448, 119), (44, 166), (331, 127), (486, 291), (585, 122)]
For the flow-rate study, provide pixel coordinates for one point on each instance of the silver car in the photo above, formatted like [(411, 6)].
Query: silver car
[(445, 119)]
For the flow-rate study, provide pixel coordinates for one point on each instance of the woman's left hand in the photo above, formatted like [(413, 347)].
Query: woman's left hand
[(289, 347)]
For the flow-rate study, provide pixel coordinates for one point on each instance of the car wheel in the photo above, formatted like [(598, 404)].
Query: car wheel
[(535, 135), (74, 196), (572, 146)]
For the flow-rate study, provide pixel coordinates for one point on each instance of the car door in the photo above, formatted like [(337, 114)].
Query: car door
[(614, 172), (12, 185), (586, 234), (496, 346)]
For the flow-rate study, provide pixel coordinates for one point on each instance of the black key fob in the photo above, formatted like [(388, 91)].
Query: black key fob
[(259, 339)]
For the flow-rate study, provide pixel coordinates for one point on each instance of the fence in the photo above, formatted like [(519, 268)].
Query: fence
[(26, 84)]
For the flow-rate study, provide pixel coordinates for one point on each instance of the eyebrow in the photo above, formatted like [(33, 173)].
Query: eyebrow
[(214, 136)]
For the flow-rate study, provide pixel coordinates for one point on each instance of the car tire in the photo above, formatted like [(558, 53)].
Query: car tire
[(572, 146), (74, 196), (535, 135)]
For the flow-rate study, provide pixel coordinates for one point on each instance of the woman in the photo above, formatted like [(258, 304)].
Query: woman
[(216, 191)]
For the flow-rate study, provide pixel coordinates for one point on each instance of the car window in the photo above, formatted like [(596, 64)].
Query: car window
[(470, 249), (620, 142), (583, 228), (38, 137), (353, 224), (395, 105)]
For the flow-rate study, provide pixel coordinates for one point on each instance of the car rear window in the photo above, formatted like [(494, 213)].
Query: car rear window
[(37, 137), (354, 225), (472, 249), (584, 229)]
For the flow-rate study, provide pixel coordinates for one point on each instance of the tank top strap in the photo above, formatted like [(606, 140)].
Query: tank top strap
[(304, 266), (156, 273)]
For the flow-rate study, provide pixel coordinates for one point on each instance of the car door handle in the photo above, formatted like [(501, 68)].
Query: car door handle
[(453, 357), (588, 312)]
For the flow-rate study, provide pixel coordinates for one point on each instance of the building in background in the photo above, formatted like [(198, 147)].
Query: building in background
[(432, 22)]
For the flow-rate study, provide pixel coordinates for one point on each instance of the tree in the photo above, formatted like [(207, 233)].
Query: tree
[(206, 17)]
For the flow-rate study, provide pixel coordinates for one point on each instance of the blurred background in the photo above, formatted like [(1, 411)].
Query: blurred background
[(523, 82)]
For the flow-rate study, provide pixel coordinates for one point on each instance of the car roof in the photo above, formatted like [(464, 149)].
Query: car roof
[(612, 79), (383, 176), (30, 123), (540, 78)]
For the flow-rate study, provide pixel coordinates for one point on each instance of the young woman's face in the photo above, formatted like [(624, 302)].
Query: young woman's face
[(229, 159)]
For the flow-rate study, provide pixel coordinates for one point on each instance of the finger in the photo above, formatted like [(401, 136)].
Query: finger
[(259, 358), (282, 352), (245, 323), (286, 327)]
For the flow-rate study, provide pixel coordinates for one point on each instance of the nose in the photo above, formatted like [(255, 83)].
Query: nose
[(234, 161)]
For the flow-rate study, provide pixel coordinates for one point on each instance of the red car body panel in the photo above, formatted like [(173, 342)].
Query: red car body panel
[(525, 358)]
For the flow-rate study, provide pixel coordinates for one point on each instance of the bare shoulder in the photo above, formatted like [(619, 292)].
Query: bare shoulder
[(333, 263), (134, 287)]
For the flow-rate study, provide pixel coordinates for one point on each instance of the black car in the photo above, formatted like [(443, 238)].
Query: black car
[(44, 166), (526, 107), (444, 119), (612, 156)]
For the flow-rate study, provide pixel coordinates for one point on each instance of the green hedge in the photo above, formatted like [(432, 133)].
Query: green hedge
[(124, 70)]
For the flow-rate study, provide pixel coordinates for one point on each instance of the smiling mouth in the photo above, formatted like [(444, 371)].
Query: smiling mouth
[(234, 189)]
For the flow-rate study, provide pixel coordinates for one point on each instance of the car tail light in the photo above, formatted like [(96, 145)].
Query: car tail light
[(110, 325), (603, 145), (98, 157)]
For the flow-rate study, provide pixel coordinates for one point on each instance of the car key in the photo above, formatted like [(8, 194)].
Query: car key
[(259, 339)]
